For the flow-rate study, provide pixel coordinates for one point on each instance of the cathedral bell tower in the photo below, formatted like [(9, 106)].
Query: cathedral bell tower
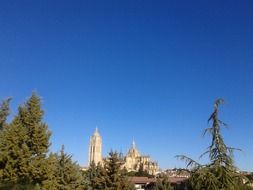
[(95, 148)]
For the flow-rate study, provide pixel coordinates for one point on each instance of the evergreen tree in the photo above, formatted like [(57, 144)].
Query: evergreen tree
[(24, 145), (95, 177), (142, 172), (4, 112), (220, 174), (116, 177), (31, 118), (162, 183), (67, 173), (15, 155), (51, 181)]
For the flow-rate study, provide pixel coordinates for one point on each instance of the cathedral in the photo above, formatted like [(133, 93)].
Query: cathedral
[(132, 161)]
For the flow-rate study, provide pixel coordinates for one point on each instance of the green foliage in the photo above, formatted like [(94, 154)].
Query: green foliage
[(219, 153), (142, 172), (162, 183), (116, 177), (24, 160), (96, 177), (220, 173), (111, 176), (31, 116), (4, 112), (19, 186), (24, 144), (15, 155), (67, 174)]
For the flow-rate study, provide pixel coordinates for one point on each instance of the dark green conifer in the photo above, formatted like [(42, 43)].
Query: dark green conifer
[(15, 154), (95, 177), (24, 145), (142, 172), (31, 118), (116, 176), (4, 112), (220, 173), (67, 174), (162, 183), (51, 181)]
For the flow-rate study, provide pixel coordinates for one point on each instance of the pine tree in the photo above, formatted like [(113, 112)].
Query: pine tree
[(90, 176), (24, 145), (15, 155), (142, 172), (95, 177), (31, 118), (67, 173), (162, 183), (4, 112), (116, 176), (51, 181), (100, 176), (220, 173)]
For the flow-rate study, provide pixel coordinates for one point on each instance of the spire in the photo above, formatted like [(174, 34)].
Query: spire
[(133, 152), (133, 144), (96, 133)]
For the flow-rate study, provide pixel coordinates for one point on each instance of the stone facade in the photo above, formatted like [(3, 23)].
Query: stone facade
[(132, 161), (95, 148)]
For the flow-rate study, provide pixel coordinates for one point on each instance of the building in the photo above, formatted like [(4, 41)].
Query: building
[(95, 148), (178, 172), (132, 161), (140, 183)]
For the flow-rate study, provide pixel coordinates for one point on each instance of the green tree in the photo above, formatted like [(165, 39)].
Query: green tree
[(15, 155), (162, 183), (4, 112), (31, 118), (67, 173), (51, 181), (220, 173), (116, 176), (142, 172), (96, 177), (24, 145)]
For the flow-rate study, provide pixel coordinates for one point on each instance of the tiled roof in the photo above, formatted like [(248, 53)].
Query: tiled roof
[(141, 180), (146, 180)]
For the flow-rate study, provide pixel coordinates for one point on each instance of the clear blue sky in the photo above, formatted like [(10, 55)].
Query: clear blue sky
[(148, 70)]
